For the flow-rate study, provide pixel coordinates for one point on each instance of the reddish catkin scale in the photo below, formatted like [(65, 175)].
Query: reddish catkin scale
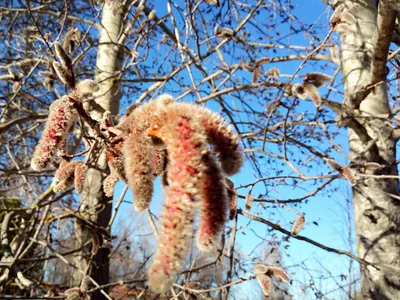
[(62, 115), (214, 205), (159, 161), (186, 145)]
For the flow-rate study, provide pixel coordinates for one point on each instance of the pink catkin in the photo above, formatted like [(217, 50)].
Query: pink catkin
[(115, 159), (186, 145), (109, 184), (214, 206), (62, 115), (64, 185), (137, 150), (65, 170), (225, 143), (79, 176), (139, 174), (220, 136)]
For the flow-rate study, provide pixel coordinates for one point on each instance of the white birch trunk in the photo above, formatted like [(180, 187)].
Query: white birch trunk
[(376, 213), (93, 203)]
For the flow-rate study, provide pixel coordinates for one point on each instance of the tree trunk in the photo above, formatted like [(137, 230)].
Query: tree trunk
[(94, 204), (376, 213)]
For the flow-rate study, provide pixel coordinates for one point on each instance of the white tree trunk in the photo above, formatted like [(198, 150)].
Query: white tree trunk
[(94, 204), (376, 213)]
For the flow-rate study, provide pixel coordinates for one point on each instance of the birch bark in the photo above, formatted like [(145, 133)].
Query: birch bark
[(376, 210)]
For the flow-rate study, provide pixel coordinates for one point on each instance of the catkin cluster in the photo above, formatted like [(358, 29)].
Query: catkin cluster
[(192, 148), (63, 114)]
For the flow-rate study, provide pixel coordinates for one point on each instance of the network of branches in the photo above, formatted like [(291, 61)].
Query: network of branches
[(192, 92)]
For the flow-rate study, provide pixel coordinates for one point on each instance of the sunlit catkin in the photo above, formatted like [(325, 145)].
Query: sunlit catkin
[(214, 205), (61, 116), (138, 171), (225, 143), (186, 144)]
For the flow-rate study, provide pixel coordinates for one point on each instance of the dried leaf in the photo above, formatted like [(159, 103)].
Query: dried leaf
[(63, 73), (152, 15), (249, 201), (317, 78), (298, 90), (348, 174), (16, 85), (232, 196), (348, 17), (62, 55), (313, 93), (278, 272), (298, 225), (265, 283), (274, 72), (256, 74), (260, 269), (335, 18), (225, 32), (335, 54), (95, 242), (341, 28), (68, 40), (8, 77), (333, 164), (87, 87)]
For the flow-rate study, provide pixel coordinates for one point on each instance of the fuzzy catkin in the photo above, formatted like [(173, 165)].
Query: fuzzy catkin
[(61, 117), (138, 171), (79, 176), (65, 170), (109, 184), (64, 185), (225, 143), (186, 145), (214, 205), (115, 160), (137, 151)]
